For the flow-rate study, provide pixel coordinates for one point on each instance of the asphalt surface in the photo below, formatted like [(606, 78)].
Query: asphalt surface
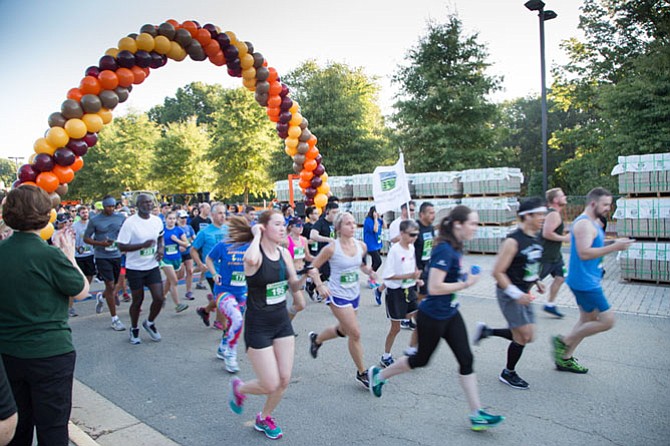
[(179, 388)]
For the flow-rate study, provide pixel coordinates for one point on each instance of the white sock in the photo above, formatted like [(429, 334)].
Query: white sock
[(115, 318), (386, 355), (550, 304), (411, 350)]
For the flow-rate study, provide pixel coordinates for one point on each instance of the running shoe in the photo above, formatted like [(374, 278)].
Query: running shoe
[(378, 296), (135, 336), (407, 324), (99, 303), (126, 297), (236, 399), (375, 383), (180, 307), (512, 379), (230, 361), (268, 427), (72, 312), (218, 325), (371, 284), (310, 292), (204, 315), (553, 310), (200, 286), (385, 362), (363, 379), (570, 365), (221, 352), (117, 325), (152, 330), (481, 332), (484, 420), (189, 296), (313, 345), (559, 348), (210, 297)]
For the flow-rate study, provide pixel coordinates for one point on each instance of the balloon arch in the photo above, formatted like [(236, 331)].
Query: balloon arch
[(88, 108)]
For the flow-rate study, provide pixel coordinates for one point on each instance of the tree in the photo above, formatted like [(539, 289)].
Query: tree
[(341, 104), (195, 99), (121, 160), (7, 172), (444, 120)]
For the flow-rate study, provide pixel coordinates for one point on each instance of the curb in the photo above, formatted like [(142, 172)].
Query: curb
[(78, 437)]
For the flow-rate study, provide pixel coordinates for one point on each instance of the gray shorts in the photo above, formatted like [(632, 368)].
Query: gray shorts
[(516, 314)]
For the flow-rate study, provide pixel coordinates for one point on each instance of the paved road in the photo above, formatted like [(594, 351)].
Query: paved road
[(179, 388)]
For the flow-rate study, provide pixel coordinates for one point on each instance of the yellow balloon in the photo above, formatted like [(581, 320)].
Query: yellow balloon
[(249, 83), (53, 215), (47, 231), (291, 151), (246, 61), (231, 35), (296, 119), (112, 52), (31, 158), (57, 137), (320, 200), (294, 131), (324, 177), (145, 42), (75, 128), (128, 44), (292, 142), (323, 189), (295, 108), (176, 52), (93, 122), (161, 45), (106, 115), (42, 146), (249, 74), (242, 49)]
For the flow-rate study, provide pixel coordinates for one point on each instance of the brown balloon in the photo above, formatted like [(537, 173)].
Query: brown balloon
[(91, 103), (109, 99), (303, 147), (262, 73), (167, 30), (304, 123), (122, 93), (195, 51), (71, 109), (149, 29), (56, 119), (259, 60), (262, 87), (62, 189), (305, 135), (55, 199), (183, 37), (297, 168), (299, 159)]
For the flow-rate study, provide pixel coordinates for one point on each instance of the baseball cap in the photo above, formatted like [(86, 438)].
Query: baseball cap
[(182, 214), (295, 221), (63, 218)]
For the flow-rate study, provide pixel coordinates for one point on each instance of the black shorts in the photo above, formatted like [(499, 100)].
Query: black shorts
[(87, 265), (137, 279), (555, 269), (186, 255), (400, 302), (109, 269), (261, 328), (423, 290)]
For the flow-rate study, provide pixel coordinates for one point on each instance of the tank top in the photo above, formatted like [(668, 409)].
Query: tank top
[(343, 281), (297, 250), (524, 270), (552, 249), (585, 275), (268, 287)]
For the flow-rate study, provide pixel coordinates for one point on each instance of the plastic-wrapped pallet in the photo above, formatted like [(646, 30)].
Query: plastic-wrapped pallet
[(438, 184), (495, 180), (497, 210), (646, 261), (488, 239), (643, 217), (640, 174), (359, 210), (362, 185), (281, 190), (341, 187)]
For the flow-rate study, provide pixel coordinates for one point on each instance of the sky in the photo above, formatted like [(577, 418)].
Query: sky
[(47, 45)]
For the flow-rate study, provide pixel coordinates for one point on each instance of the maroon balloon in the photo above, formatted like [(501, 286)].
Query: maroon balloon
[(26, 173), (310, 192), (309, 201), (108, 63), (156, 60), (92, 71), (78, 146), (320, 170), (212, 30), (143, 59), (285, 117), (224, 41), (125, 59), (64, 157), (16, 184), (316, 182), (43, 163), (286, 103), (231, 52), (235, 72), (284, 90), (234, 64), (282, 126), (283, 135), (91, 139)]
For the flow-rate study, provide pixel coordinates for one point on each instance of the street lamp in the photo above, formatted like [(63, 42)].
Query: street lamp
[(538, 5)]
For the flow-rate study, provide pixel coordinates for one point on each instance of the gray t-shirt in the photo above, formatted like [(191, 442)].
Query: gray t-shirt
[(105, 227), (81, 249)]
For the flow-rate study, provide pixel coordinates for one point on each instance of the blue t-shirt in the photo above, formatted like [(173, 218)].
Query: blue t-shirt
[(372, 239), (443, 257), (207, 239), (229, 258), (189, 232), (585, 275), (171, 248)]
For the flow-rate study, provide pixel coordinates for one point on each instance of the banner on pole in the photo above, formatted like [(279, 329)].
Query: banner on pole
[(389, 186)]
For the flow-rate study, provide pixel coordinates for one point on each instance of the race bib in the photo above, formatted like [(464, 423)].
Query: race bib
[(171, 249), (349, 279), (275, 293), (237, 278), (111, 247), (427, 248), (408, 283), (298, 253), (145, 252), (532, 272), (313, 246), (85, 249)]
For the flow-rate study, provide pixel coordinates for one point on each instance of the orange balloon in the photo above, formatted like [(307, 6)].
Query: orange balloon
[(63, 174), (273, 76), (310, 165), (312, 153), (191, 27), (108, 80), (42, 146), (212, 47), (273, 114), (90, 85), (174, 23), (28, 183), (146, 70), (78, 163), (306, 175), (304, 184), (74, 93), (218, 59), (320, 200), (274, 101), (125, 76), (47, 181), (203, 36), (311, 142), (57, 137), (275, 88), (138, 75)]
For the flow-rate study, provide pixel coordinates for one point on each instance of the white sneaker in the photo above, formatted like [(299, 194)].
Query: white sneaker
[(230, 361), (135, 336), (117, 325), (100, 303), (152, 330)]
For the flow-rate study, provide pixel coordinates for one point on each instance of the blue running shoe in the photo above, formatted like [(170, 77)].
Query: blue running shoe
[(484, 420)]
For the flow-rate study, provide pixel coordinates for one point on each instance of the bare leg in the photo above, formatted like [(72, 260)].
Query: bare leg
[(157, 300), (109, 296), (471, 390), (555, 286), (587, 325), (390, 337)]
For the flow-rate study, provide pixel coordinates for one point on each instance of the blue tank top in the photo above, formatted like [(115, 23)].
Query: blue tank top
[(585, 275)]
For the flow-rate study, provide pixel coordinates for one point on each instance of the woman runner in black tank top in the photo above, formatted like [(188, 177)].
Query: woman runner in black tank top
[(268, 333)]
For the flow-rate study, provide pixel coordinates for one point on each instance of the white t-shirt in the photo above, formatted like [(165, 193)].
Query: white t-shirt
[(138, 230), (399, 261)]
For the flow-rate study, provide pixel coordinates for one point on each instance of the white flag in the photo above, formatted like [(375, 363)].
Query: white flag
[(389, 186)]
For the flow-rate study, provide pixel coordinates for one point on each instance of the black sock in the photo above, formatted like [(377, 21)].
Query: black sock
[(514, 354), (501, 333)]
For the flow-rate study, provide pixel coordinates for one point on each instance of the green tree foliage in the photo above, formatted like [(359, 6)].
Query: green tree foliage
[(7, 172), (180, 160), (444, 120), (121, 160), (341, 104), (195, 99), (618, 80)]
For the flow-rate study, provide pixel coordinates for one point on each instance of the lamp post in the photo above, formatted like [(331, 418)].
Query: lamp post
[(538, 5), (16, 160)]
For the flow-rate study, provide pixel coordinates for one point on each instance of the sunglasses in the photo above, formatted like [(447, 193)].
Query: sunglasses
[(412, 209), (412, 234)]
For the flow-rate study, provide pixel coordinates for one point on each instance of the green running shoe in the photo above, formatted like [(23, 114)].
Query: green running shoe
[(559, 348), (375, 383), (485, 420), (570, 365)]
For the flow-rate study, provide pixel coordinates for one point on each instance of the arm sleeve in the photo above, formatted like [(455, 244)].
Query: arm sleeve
[(90, 229), (441, 258), (199, 241), (368, 225), (124, 233), (390, 264), (67, 279), (216, 252)]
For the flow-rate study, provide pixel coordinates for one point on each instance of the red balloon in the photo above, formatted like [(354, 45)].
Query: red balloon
[(26, 173)]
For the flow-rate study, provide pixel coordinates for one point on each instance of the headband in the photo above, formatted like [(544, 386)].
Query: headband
[(536, 210)]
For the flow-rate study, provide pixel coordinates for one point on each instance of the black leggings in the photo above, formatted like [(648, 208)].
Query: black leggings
[(376, 260), (451, 330)]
